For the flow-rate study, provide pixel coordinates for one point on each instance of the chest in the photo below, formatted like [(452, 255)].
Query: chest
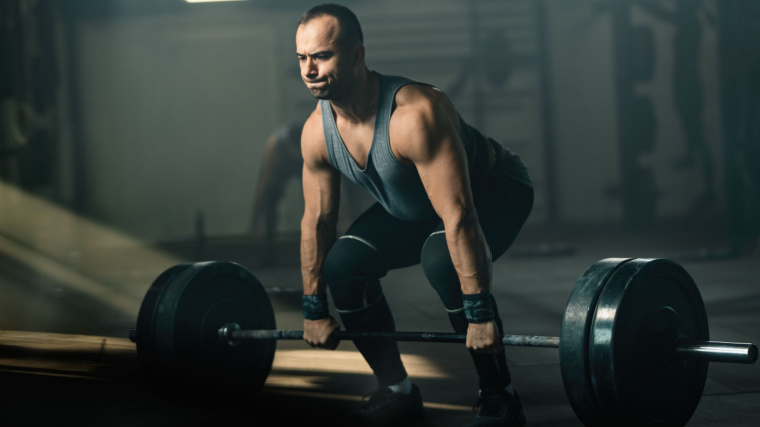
[(357, 137)]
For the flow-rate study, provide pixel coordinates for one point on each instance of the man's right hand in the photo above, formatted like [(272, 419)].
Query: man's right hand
[(319, 333)]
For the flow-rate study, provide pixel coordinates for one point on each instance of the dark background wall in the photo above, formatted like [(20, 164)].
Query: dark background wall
[(151, 117)]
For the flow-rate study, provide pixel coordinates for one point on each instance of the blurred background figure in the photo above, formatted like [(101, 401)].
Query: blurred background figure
[(280, 163), (687, 87)]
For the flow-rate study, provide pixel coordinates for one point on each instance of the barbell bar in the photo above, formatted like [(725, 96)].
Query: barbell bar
[(633, 347), (232, 334), (711, 351)]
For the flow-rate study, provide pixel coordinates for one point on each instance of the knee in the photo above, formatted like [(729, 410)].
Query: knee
[(351, 266), (440, 271), (336, 266), (352, 259)]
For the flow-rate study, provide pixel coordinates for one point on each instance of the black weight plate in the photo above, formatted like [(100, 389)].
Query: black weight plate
[(145, 337), (643, 309), (178, 344), (574, 339)]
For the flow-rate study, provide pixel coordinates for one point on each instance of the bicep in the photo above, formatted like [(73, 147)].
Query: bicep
[(438, 154), (321, 182), (447, 183), (320, 190)]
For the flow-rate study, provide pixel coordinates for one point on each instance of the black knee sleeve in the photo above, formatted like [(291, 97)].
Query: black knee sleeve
[(352, 270), (440, 271)]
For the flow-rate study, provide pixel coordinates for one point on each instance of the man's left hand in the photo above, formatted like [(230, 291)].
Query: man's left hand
[(484, 338)]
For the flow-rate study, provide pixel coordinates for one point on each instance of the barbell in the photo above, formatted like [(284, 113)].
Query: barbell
[(634, 342)]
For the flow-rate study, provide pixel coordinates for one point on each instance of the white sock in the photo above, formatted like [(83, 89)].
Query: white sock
[(402, 387)]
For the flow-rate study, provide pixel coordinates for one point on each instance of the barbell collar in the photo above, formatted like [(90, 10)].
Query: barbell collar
[(717, 351)]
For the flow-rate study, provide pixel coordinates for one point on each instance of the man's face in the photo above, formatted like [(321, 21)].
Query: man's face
[(326, 69)]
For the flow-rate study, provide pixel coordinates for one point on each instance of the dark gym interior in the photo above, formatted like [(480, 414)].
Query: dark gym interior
[(135, 135)]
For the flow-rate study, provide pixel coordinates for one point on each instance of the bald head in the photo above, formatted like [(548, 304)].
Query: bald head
[(349, 31)]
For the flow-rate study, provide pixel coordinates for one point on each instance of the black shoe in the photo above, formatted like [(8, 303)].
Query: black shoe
[(385, 407), (498, 409)]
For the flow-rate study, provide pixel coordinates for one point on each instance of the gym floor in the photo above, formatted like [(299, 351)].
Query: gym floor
[(66, 310)]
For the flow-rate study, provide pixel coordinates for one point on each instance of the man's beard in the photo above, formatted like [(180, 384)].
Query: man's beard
[(325, 95), (331, 92)]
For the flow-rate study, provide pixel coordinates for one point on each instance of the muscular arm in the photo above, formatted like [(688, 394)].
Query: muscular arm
[(425, 130), (321, 191), (321, 184)]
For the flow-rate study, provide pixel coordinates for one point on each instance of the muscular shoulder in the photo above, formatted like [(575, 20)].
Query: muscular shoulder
[(313, 139), (423, 116), (422, 107)]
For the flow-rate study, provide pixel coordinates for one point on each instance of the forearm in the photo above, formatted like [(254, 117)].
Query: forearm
[(318, 325), (469, 254), (472, 259), (317, 236)]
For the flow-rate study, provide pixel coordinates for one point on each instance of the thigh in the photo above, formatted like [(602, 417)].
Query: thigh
[(503, 206), (397, 242)]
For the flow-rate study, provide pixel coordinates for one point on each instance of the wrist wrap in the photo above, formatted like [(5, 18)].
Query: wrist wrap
[(314, 307), (478, 307)]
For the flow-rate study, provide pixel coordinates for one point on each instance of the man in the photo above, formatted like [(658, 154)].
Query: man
[(448, 198)]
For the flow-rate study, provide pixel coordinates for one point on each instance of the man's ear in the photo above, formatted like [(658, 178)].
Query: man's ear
[(359, 53)]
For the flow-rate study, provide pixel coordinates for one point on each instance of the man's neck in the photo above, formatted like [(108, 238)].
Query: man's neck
[(361, 105)]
